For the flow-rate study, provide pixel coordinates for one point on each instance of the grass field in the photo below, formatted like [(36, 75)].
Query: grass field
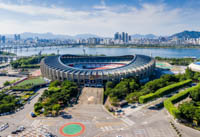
[(34, 81)]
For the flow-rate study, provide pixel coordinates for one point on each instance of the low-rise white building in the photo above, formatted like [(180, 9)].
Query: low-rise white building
[(195, 66)]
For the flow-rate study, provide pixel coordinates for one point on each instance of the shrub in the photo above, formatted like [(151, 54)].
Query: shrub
[(171, 108), (146, 98)]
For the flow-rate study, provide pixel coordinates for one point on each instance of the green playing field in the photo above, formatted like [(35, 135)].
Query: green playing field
[(34, 81)]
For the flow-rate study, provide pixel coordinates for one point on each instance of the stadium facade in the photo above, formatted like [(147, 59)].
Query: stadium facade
[(96, 70)]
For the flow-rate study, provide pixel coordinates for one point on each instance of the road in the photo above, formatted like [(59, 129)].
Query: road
[(20, 118)]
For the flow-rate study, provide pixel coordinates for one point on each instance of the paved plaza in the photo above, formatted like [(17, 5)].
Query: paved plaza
[(96, 120)]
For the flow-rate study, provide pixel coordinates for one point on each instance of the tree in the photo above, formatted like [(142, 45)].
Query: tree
[(133, 86), (6, 83), (38, 107), (133, 97), (197, 114), (197, 76), (110, 85), (8, 103), (55, 83), (189, 74), (195, 94), (169, 78), (56, 107), (121, 89), (114, 101), (187, 110)]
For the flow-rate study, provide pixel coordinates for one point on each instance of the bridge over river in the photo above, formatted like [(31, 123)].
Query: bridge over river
[(14, 48), (7, 58)]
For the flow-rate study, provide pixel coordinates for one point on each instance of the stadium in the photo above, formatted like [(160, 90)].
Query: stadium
[(95, 71), (195, 66)]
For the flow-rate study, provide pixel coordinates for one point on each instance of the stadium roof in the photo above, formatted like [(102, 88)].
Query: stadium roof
[(62, 63)]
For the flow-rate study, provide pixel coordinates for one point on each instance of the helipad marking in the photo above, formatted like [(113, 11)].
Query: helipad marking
[(72, 129)]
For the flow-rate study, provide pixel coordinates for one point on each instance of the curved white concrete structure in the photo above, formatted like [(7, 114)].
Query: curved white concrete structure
[(195, 66), (81, 69)]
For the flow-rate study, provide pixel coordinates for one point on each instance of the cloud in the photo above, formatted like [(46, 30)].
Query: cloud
[(23, 1), (101, 19), (38, 10), (101, 6)]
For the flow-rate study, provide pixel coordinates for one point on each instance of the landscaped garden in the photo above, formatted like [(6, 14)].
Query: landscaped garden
[(131, 90), (57, 97), (188, 111)]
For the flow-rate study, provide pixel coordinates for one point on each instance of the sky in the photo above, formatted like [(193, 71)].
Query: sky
[(100, 17)]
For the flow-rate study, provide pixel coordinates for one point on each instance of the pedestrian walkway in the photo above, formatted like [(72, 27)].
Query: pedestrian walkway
[(36, 123), (91, 96), (128, 121), (106, 128)]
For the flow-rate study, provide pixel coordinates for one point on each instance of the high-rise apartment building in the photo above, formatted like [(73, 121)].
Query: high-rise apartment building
[(3, 39), (124, 37), (17, 37), (116, 37)]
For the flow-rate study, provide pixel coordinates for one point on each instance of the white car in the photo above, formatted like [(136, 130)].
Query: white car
[(21, 128), (3, 127)]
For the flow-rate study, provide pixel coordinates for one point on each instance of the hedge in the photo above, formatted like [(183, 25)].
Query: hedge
[(163, 91), (168, 103), (147, 98)]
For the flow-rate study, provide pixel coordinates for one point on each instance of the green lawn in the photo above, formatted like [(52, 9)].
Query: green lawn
[(35, 81)]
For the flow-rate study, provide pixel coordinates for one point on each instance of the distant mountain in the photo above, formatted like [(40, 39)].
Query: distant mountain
[(49, 35), (85, 36), (147, 36), (187, 34), (44, 35)]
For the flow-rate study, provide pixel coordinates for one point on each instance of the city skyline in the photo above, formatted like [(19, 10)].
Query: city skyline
[(100, 17)]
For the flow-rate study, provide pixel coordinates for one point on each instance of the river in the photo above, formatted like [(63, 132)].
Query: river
[(162, 52)]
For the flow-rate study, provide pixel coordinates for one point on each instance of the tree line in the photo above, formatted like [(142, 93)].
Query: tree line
[(177, 61), (28, 62)]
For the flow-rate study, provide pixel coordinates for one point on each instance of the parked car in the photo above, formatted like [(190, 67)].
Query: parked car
[(48, 135), (33, 114), (133, 106), (14, 132), (4, 126), (21, 128)]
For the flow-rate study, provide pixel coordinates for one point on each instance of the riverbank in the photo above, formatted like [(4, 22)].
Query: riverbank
[(7, 53), (143, 46)]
